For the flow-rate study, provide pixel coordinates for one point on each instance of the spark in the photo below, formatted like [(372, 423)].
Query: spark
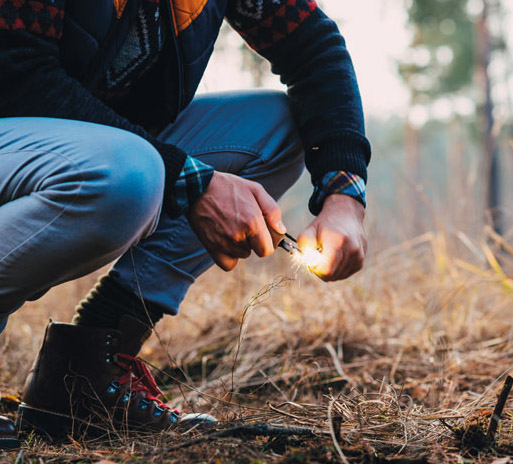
[(308, 258)]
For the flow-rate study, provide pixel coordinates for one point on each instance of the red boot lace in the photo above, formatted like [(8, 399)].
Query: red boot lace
[(139, 377)]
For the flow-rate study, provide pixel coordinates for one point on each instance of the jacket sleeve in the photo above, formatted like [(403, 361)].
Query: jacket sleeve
[(34, 83), (307, 51)]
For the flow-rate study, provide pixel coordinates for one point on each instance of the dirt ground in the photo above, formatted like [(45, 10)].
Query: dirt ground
[(401, 364)]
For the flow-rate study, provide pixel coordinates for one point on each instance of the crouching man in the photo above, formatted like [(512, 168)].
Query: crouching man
[(105, 154)]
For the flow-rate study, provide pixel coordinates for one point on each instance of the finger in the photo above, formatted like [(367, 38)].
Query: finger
[(352, 258), (354, 263), (230, 248), (333, 256), (354, 252), (276, 237), (260, 239), (270, 209), (239, 251), (242, 253), (225, 262)]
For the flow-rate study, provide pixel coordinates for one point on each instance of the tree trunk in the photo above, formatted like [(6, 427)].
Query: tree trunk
[(488, 139), (412, 203)]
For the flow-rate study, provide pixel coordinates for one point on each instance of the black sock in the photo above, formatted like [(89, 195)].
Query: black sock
[(108, 301)]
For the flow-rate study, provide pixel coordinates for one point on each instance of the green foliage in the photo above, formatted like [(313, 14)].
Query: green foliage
[(443, 49)]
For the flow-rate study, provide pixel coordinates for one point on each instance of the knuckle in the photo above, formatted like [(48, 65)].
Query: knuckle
[(252, 185), (238, 236), (252, 225), (258, 187), (275, 212)]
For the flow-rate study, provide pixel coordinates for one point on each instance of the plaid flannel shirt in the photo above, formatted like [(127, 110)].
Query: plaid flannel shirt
[(195, 177), (192, 183), (341, 182)]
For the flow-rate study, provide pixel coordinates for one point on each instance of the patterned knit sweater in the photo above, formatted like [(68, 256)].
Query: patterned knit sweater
[(302, 44), (137, 55)]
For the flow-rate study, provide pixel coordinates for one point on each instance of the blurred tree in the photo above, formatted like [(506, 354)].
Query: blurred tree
[(250, 62), (442, 53), (449, 57), (255, 64), (488, 138)]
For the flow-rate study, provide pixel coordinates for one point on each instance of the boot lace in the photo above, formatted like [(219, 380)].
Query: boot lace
[(140, 379)]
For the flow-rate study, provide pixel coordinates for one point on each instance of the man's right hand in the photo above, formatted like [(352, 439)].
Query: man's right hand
[(233, 217)]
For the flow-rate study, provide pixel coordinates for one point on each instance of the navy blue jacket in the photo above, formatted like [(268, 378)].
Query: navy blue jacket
[(53, 53)]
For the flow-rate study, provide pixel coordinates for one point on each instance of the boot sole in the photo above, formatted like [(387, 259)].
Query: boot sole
[(59, 427), (7, 444), (52, 425)]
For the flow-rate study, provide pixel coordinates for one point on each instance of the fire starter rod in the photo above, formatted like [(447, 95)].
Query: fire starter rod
[(289, 244)]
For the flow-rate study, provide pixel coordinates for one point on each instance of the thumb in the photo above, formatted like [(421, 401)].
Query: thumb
[(270, 209)]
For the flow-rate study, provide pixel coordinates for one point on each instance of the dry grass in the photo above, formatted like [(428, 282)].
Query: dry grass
[(370, 367)]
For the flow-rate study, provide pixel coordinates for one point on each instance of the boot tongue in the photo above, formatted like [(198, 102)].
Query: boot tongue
[(135, 333)]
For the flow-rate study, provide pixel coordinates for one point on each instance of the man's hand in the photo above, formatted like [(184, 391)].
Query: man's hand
[(233, 217), (338, 232)]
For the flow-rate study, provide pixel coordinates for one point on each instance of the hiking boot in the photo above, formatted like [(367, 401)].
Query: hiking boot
[(90, 380), (8, 435)]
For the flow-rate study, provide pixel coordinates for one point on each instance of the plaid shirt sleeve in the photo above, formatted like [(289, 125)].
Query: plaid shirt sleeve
[(191, 184), (342, 182)]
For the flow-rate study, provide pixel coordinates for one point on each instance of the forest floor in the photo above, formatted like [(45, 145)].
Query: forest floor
[(402, 363)]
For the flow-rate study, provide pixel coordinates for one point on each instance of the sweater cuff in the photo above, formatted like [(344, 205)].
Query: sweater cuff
[(345, 151)]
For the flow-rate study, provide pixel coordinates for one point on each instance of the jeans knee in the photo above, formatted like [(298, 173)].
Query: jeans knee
[(129, 186), (282, 165), (284, 178), (275, 104)]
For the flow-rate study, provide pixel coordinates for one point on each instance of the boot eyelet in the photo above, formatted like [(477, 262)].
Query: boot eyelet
[(113, 387), (110, 340), (143, 405), (174, 417), (108, 358), (158, 411), (126, 397)]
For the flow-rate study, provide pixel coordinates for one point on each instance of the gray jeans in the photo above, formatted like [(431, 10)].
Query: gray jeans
[(74, 196)]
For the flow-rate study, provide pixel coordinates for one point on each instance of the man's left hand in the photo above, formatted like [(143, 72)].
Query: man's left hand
[(338, 232)]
